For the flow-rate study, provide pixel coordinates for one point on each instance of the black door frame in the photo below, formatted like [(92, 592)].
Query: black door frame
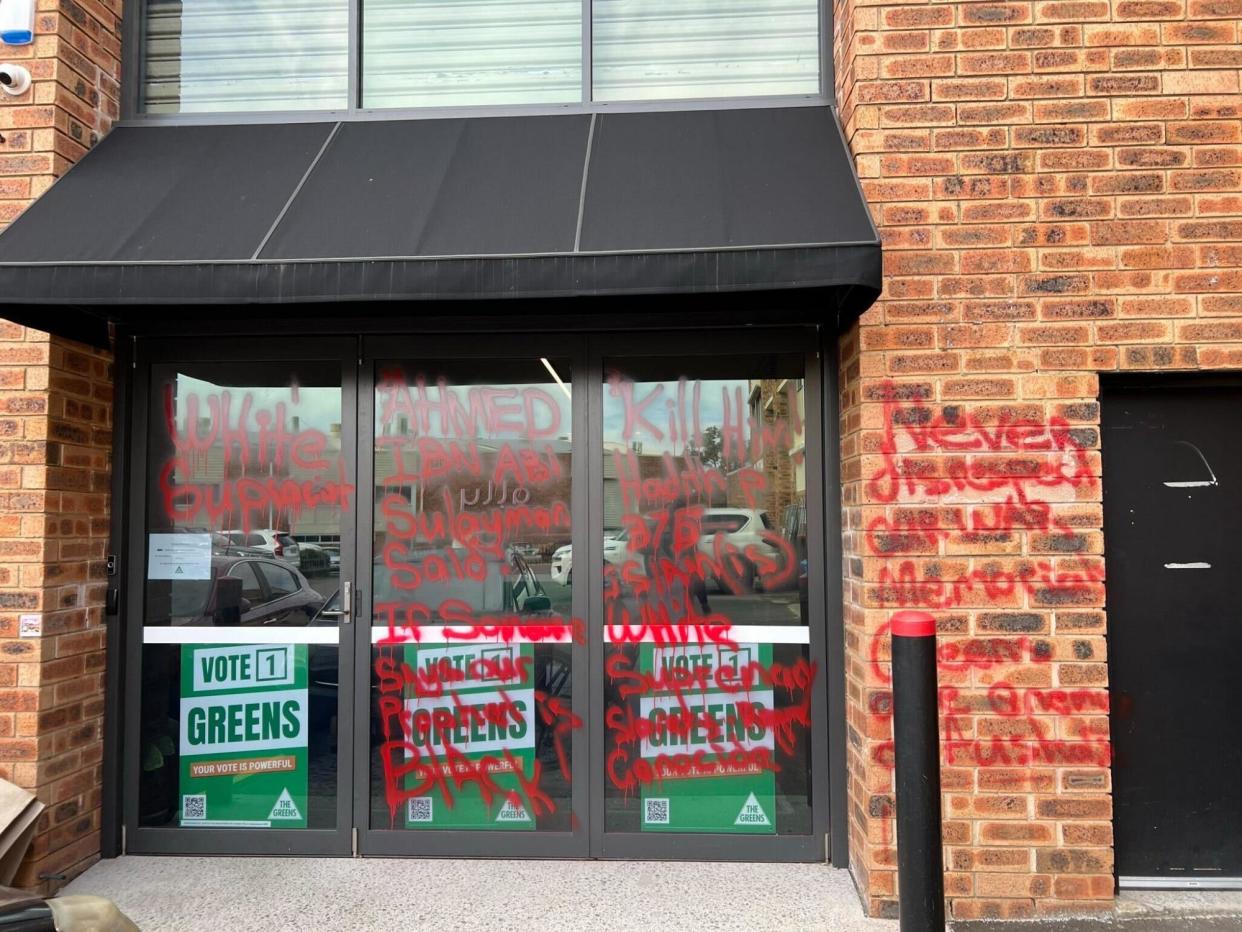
[(148, 355), (475, 842), (824, 558), (709, 847)]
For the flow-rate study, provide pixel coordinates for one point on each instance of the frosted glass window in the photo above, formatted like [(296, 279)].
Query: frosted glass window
[(205, 56), (683, 49), (438, 53), (245, 55)]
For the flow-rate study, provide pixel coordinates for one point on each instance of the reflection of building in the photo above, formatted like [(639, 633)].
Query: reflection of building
[(775, 446)]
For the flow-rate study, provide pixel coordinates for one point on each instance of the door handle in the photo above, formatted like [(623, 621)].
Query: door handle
[(346, 605)]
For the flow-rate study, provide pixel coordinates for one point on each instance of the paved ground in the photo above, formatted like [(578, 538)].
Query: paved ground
[(1142, 911), (330, 894), (351, 895)]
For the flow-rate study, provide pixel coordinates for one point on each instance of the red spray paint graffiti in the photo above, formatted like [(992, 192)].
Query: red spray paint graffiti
[(702, 718), (270, 470), (954, 486), (467, 473)]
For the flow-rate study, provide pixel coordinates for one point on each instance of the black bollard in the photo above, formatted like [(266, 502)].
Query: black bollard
[(916, 738)]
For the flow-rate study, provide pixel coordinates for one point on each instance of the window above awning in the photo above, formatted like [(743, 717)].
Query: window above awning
[(531, 207)]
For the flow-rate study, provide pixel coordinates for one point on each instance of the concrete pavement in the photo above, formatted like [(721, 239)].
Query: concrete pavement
[(167, 894), (175, 894)]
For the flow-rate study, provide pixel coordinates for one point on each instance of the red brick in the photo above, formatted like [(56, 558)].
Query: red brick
[(1115, 233)]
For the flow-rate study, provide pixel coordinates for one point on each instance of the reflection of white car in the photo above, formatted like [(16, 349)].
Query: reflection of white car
[(563, 565), (278, 544), (617, 548), (616, 551), (742, 531), (315, 559), (739, 531)]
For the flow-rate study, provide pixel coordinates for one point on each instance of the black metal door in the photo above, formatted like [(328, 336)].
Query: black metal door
[(1172, 499)]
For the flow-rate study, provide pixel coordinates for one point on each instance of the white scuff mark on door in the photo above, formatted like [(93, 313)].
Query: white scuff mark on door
[(1195, 483), (1188, 566)]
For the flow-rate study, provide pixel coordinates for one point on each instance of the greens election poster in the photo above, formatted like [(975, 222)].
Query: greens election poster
[(244, 735), (695, 788), (475, 714)]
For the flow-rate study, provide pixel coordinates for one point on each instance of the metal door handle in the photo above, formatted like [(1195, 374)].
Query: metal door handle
[(344, 612)]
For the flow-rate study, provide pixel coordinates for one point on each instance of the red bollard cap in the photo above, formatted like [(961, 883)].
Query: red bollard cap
[(914, 625)]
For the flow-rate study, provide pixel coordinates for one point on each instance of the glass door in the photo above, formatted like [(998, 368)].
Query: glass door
[(470, 699), (242, 539), (709, 628), (468, 595)]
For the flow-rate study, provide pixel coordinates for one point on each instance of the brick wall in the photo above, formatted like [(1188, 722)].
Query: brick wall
[(75, 64), (55, 443), (1058, 185)]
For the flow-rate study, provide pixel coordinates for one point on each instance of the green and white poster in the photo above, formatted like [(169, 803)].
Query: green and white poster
[(694, 788), (477, 703), (244, 735)]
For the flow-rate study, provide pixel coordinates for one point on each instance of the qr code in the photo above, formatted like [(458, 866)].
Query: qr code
[(655, 811), (419, 809), (194, 807)]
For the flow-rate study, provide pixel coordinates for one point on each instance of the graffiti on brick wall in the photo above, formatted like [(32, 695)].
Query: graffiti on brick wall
[(957, 494)]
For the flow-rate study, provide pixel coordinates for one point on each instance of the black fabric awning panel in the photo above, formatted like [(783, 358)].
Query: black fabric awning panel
[(444, 209)]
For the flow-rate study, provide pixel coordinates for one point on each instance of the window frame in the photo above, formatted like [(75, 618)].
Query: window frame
[(133, 19)]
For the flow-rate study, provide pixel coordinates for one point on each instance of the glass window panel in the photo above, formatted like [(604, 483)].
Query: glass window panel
[(657, 50), (204, 56), (472, 716), (708, 679), (237, 733), (436, 53)]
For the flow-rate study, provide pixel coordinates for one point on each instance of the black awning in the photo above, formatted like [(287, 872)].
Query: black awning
[(447, 209)]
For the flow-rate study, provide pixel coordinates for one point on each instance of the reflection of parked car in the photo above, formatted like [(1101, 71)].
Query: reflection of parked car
[(616, 551), (563, 565), (742, 530), (315, 560), (247, 591), (793, 529), (334, 556), (617, 548), (513, 589), (426, 577), (735, 534), (278, 544), (222, 545)]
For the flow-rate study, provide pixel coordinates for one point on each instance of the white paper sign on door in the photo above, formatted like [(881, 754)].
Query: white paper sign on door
[(179, 556)]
